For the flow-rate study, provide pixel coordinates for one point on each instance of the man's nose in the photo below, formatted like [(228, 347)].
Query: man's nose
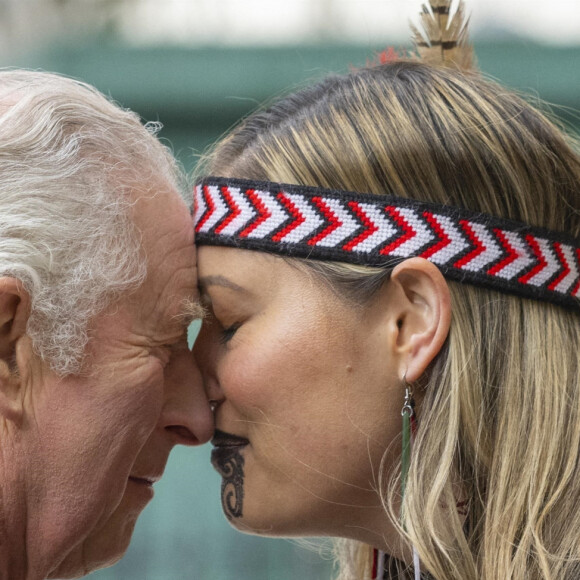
[(186, 415)]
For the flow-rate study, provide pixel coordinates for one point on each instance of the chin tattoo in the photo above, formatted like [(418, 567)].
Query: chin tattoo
[(231, 467)]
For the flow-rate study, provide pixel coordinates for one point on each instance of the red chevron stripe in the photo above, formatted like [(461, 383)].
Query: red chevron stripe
[(294, 212), (479, 247), (540, 257), (512, 255), (236, 211), (263, 213), (408, 231), (576, 291), (444, 239), (330, 216), (210, 207), (371, 228), (565, 265)]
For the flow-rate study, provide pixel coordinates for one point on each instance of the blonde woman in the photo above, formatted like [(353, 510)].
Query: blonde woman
[(390, 262)]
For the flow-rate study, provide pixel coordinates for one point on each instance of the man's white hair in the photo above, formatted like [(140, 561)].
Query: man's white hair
[(69, 160)]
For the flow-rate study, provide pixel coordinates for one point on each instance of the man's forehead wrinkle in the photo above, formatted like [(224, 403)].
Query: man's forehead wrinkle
[(172, 254), (168, 247), (163, 231), (170, 294), (167, 243)]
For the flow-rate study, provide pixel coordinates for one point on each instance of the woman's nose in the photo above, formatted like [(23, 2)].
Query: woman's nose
[(186, 415)]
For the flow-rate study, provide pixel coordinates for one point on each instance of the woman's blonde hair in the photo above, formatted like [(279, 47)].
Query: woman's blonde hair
[(499, 433)]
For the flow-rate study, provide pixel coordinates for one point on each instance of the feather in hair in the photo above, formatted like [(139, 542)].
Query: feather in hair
[(443, 39)]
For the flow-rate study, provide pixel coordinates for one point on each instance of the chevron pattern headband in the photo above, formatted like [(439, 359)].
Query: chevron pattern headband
[(374, 230)]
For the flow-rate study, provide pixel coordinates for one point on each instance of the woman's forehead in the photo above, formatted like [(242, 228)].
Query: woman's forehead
[(256, 276), (234, 263)]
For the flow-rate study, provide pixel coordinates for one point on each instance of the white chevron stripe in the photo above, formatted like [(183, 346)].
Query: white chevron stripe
[(245, 215), (523, 260), (492, 250), (221, 209), (458, 242), (343, 231), (566, 282), (310, 223), (551, 267), (277, 215), (385, 228), (200, 205), (422, 235)]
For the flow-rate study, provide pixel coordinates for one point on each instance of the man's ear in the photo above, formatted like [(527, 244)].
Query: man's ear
[(14, 313), (421, 304)]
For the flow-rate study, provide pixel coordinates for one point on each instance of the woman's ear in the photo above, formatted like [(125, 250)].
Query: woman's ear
[(14, 314), (422, 306)]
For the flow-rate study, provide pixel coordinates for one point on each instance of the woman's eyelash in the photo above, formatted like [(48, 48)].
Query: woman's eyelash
[(227, 333)]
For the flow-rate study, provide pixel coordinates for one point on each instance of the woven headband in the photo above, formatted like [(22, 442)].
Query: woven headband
[(377, 230)]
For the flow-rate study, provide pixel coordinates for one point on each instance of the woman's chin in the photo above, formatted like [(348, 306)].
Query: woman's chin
[(260, 522)]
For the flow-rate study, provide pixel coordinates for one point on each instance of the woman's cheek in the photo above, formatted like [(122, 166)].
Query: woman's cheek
[(238, 380)]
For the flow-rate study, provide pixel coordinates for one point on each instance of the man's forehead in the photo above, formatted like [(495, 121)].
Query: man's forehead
[(173, 303), (168, 244)]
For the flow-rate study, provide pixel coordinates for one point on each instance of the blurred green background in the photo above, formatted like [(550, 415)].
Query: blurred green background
[(198, 92)]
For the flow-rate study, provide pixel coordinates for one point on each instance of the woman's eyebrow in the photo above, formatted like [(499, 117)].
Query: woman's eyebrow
[(219, 280)]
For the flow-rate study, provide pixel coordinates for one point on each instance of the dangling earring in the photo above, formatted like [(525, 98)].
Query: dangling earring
[(408, 414), (409, 429)]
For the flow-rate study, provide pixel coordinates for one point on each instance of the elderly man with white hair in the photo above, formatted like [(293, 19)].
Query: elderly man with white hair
[(97, 288)]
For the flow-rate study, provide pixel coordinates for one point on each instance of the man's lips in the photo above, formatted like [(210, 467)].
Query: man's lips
[(144, 480), (223, 439)]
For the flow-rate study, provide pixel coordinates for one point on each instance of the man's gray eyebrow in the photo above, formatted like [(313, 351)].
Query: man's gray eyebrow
[(219, 281), (191, 310)]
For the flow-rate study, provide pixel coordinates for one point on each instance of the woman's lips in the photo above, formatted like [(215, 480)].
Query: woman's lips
[(223, 439), (226, 445)]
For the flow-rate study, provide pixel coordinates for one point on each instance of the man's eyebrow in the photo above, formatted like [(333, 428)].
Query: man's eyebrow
[(219, 281), (190, 310)]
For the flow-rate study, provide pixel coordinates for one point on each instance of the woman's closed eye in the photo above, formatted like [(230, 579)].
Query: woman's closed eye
[(224, 316), (227, 333)]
